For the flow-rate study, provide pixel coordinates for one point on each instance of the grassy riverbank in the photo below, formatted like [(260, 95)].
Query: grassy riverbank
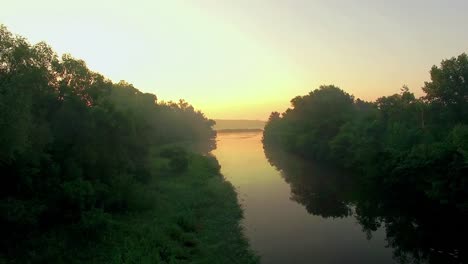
[(94, 172), (195, 220), (189, 216)]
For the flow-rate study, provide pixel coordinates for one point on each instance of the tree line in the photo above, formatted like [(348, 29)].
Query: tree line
[(76, 149), (414, 145)]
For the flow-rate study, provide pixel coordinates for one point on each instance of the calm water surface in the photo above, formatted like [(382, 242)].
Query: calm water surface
[(279, 221)]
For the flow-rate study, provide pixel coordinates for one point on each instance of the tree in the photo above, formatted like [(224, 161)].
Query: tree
[(75, 148), (448, 87)]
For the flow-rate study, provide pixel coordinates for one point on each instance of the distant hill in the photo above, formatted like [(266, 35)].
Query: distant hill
[(226, 124)]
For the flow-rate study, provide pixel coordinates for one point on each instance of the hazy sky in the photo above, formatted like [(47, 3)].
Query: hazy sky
[(246, 58)]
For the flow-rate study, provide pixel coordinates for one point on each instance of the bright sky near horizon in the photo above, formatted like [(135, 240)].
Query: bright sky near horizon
[(243, 59)]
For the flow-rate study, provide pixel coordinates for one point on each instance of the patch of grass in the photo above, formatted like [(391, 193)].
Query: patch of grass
[(180, 215), (195, 218)]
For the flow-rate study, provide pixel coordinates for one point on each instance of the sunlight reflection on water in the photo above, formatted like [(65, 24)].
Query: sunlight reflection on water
[(280, 229)]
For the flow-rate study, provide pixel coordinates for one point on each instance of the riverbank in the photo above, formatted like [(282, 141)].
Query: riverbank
[(196, 220), (192, 217)]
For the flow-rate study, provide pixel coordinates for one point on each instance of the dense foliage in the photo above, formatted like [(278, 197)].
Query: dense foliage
[(409, 144), (78, 152)]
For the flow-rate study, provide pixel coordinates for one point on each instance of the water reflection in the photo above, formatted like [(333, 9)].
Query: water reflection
[(280, 229), (417, 230), (322, 190)]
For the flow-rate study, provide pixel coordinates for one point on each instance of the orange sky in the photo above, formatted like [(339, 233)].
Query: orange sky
[(243, 59)]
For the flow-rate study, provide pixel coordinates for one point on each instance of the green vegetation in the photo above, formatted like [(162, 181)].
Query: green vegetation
[(415, 146), (91, 171)]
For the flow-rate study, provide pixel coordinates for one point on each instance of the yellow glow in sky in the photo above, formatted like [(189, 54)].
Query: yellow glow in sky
[(243, 59)]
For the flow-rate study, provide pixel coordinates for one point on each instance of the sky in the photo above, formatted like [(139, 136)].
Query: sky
[(242, 59)]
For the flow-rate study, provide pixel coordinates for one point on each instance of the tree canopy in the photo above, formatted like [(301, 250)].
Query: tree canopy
[(418, 144), (75, 148)]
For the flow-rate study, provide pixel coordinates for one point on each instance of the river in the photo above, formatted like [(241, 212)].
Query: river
[(296, 213)]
